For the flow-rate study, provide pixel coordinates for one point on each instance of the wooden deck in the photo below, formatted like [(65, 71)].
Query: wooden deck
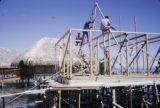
[(85, 82)]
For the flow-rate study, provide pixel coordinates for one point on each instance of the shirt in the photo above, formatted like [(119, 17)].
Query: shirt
[(105, 23), (86, 25)]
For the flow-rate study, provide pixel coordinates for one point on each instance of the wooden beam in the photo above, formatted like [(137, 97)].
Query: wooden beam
[(62, 38), (65, 51), (136, 55), (119, 52)]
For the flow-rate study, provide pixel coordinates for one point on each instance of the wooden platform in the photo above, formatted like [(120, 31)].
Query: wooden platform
[(104, 81)]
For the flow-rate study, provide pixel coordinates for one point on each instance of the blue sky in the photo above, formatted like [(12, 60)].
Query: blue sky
[(24, 22)]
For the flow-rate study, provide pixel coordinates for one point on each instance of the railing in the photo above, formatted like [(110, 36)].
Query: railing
[(9, 74)]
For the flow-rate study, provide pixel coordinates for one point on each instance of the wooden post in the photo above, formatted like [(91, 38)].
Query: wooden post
[(120, 41), (147, 62), (104, 48), (55, 57), (156, 93), (109, 48), (130, 96), (127, 54), (3, 76), (79, 99), (143, 60), (114, 97), (64, 62), (98, 55), (3, 102), (135, 29), (68, 66), (70, 58), (16, 84), (91, 54), (142, 97), (59, 101)]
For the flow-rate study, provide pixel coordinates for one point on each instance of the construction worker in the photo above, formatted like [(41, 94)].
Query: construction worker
[(78, 39), (105, 25), (87, 25)]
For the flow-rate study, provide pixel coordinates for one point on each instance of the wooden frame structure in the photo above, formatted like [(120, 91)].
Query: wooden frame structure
[(106, 49), (115, 53)]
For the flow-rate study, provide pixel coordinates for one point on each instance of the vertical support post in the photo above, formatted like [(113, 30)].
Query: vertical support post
[(98, 55), (147, 62), (91, 54), (3, 102), (109, 44), (2, 84), (55, 55), (120, 41), (68, 68), (130, 96), (64, 64), (114, 97), (148, 90), (104, 49), (142, 98), (70, 58), (79, 99), (3, 76), (127, 55), (156, 93), (59, 101), (135, 29), (143, 60), (64, 67), (59, 68)]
